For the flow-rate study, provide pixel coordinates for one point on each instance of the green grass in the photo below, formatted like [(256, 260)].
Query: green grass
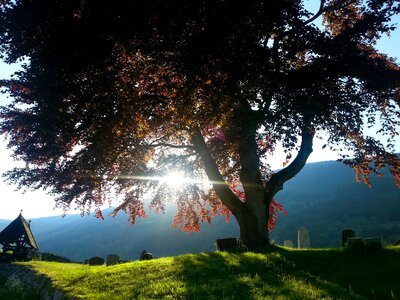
[(15, 293), (282, 274)]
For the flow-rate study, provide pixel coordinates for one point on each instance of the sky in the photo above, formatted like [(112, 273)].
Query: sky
[(38, 204)]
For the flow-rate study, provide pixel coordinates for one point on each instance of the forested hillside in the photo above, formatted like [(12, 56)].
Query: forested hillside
[(324, 197)]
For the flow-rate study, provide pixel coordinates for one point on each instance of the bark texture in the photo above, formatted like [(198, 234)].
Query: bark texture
[(252, 214)]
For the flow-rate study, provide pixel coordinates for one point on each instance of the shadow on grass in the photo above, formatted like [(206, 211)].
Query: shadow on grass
[(248, 276), (15, 293), (370, 275), (281, 274), (320, 274)]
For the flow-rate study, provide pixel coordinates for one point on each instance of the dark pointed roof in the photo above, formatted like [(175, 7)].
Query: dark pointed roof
[(17, 229)]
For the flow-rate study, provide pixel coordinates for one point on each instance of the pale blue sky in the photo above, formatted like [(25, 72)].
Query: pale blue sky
[(39, 204)]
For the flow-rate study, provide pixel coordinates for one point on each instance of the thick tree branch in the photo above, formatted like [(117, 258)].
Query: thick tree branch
[(267, 101), (323, 8), (276, 182), (249, 159), (320, 11), (222, 189)]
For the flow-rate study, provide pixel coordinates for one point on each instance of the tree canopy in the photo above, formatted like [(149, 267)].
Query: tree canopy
[(113, 97)]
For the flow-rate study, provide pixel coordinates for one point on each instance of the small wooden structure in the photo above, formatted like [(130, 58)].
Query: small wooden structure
[(17, 240)]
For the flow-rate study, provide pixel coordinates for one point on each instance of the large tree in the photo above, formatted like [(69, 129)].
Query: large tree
[(113, 96)]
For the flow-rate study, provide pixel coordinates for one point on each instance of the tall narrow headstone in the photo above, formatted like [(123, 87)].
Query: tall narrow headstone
[(346, 234), (288, 243), (303, 238), (112, 259)]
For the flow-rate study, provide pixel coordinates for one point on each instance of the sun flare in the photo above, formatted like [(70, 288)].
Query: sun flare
[(178, 179), (175, 179)]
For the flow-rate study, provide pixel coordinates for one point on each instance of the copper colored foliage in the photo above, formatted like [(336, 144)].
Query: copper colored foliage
[(111, 98)]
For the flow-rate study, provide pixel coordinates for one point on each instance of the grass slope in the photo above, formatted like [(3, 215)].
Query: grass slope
[(281, 274)]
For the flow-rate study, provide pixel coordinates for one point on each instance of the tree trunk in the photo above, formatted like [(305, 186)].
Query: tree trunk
[(252, 214), (253, 220)]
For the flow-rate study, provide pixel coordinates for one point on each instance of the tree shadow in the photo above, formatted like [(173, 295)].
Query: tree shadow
[(280, 274), (21, 285), (221, 275), (216, 276), (369, 275)]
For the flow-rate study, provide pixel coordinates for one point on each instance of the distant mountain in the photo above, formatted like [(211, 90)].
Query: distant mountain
[(80, 238), (4, 223), (324, 197)]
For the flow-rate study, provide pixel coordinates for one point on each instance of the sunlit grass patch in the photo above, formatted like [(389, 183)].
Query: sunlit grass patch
[(282, 274)]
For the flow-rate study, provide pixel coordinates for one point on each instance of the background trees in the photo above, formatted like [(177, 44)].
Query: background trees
[(113, 97)]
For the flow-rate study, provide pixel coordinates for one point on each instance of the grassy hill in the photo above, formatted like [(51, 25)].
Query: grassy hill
[(324, 197), (281, 274)]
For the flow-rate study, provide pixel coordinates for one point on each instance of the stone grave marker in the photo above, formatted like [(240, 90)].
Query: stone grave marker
[(373, 243), (288, 243), (227, 244), (368, 244), (146, 255), (348, 233), (355, 243), (96, 261), (303, 238), (112, 259)]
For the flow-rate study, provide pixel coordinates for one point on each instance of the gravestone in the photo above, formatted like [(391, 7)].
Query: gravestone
[(227, 244), (288, 243), (373, 243), (122, 261), (96, 261), (303, 238), (348, 233), (355, 243), (112, 259), (146, 255), (368, 244)]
